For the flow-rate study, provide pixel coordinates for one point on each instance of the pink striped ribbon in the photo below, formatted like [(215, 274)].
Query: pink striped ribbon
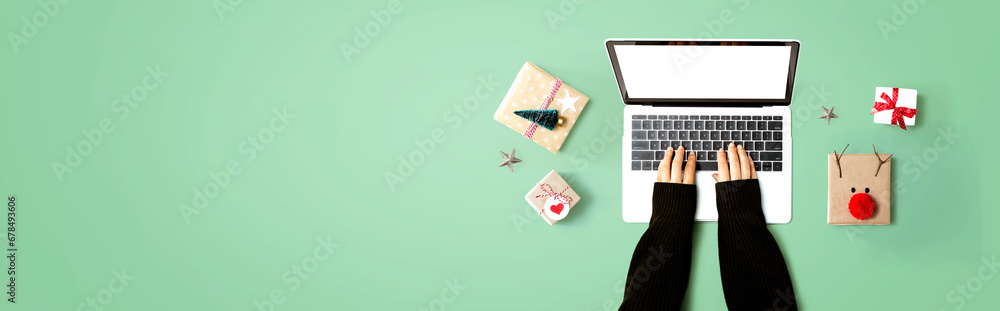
[(545, 105)]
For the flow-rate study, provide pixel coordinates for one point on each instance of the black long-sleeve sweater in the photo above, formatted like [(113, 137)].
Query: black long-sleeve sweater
[(754, 274)]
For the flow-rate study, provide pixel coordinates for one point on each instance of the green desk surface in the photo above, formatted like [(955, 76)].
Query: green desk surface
[(128, 202)]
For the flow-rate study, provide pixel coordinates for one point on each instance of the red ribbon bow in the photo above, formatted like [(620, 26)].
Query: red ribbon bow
[(897, 112), (547, 191)]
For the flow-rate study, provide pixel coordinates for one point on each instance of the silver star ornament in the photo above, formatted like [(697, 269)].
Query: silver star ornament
[(509, 159), (828, 114)]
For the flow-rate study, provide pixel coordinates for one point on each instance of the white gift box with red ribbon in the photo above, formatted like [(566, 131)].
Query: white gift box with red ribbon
[(895, 106)]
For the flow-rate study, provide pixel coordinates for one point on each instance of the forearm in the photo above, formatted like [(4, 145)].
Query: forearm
[(658, 274), (754, 273)]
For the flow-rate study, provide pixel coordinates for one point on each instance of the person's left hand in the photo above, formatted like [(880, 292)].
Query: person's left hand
[(670, 167)]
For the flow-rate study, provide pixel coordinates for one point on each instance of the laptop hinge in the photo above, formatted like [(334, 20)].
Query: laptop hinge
[(708, 105)]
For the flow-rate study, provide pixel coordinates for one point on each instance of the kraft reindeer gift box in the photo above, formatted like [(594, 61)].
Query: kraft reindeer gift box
[(859, 188)]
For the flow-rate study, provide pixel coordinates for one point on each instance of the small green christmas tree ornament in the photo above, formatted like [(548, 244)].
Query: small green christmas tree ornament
[(547, 118)]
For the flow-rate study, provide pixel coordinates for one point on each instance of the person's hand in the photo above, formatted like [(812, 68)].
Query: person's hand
[(740, 165), (670, 167)]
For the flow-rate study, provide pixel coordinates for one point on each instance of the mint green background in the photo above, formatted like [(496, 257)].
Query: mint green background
[(458, 216)]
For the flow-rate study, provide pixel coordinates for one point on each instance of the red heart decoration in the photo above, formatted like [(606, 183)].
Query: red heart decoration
[(556, 208)]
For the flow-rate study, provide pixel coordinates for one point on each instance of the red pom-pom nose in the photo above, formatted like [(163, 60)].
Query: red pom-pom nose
[(862, 206)]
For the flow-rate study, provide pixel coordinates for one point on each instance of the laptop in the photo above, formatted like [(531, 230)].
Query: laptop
[(704, 94)]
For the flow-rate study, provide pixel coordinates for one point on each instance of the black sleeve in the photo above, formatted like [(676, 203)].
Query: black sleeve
[(754, 274), (661, 263)]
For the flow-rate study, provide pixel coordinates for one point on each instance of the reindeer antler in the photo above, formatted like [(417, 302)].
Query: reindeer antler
[(880, 161), (839, 170)]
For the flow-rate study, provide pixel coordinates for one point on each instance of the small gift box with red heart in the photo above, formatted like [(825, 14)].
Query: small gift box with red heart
[(552, 198), (895, 106)]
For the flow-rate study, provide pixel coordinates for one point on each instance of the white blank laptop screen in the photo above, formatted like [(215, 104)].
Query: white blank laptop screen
[(717, 72)]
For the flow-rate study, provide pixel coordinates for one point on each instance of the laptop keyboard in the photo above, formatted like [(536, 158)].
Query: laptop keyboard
[(705, 134)]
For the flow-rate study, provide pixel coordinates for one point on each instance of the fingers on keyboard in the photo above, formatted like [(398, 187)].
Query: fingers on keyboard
[(651, 135)]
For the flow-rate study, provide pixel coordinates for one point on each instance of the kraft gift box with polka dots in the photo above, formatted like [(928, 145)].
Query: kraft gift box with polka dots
[(532, 89)]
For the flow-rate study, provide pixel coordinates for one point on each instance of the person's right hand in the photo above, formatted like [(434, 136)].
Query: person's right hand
[(670, 167), (739, 166)]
